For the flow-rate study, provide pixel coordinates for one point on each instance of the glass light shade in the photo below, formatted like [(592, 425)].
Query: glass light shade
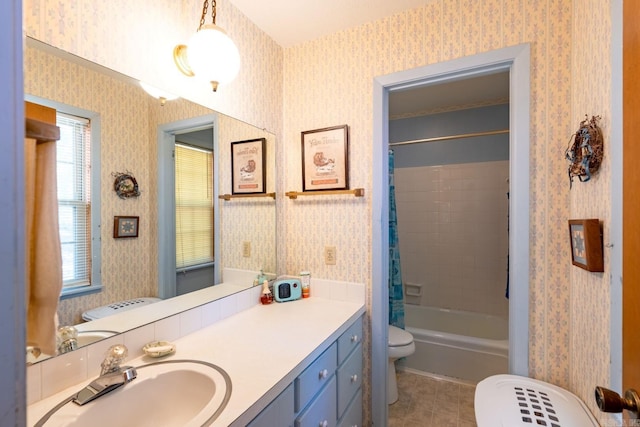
[(213, 56), (157, 93)]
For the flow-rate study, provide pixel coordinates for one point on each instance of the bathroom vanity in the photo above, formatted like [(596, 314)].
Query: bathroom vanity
[(297, 363), (328, 391)]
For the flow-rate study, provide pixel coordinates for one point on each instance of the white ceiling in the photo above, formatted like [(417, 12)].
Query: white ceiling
[(290, 22)]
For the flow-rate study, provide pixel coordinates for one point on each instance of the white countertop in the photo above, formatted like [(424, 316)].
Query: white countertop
[(262, 349)]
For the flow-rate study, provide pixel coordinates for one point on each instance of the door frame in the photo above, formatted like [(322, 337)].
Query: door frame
[(616, 149), (12, 246), (516, 60), (166, 199)]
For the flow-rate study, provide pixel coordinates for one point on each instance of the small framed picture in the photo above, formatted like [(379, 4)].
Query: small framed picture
[(125, 226), (586, 244), (325, 159), (248, 160)]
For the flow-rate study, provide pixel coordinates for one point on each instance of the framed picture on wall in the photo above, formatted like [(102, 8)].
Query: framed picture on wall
[(125, 226), (325, 159), (248, 172), (586, 244)]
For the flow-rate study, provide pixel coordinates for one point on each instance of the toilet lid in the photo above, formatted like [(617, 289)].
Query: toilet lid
[(399, 337)]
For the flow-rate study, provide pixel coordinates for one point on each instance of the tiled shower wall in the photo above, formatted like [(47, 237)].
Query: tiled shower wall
[(453, 232)]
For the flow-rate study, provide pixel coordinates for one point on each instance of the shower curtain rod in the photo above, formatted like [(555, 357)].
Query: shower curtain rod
[(445, 138)]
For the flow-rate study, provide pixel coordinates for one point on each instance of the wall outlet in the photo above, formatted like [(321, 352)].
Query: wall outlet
[(246, 249), (330, 255)]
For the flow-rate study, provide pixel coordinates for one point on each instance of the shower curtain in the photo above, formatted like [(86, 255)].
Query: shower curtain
[(396, 295)]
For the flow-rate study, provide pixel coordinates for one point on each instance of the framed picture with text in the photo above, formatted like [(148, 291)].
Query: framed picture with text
[(248, 160), (325, 159)]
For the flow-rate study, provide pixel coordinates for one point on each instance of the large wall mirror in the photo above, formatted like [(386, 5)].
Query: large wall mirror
[(133, 126)]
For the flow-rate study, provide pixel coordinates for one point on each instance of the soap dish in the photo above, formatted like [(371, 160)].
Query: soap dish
[(159, 348)]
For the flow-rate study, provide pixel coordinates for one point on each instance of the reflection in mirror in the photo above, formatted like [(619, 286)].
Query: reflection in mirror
[(131, 123)]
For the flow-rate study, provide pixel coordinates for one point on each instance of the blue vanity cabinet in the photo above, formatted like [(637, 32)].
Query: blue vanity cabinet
[(349, 379), (349, 340), (349, 376), (352, 417), (315, 377), (335, 401), (328, 392), (321, 411), (315, 391), (278, 413)]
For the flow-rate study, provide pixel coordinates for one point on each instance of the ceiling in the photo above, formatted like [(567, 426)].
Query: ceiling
[(488, 89), (291, 22)]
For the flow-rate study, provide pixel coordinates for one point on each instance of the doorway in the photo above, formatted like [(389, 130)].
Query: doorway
[(515, 61), (199, 132), (450, 143)]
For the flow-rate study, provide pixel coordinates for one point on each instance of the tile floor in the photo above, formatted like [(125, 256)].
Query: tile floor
[(430, 402)]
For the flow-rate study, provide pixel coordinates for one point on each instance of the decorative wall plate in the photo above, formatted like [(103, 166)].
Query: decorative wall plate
[(125, 185)]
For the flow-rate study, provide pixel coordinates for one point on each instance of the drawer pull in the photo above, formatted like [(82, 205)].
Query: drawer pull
[(354, 338), (324, 423), (354, 378), (323, 374)]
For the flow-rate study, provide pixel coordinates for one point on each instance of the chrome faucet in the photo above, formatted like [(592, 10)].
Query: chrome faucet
[(66, 339), (111, 376)]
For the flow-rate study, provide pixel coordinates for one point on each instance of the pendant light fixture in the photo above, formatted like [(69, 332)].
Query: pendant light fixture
[(161, 95), (210, 54)]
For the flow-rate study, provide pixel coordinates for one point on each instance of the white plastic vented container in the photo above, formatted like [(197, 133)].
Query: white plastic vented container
[(515, 401), (117, 307)]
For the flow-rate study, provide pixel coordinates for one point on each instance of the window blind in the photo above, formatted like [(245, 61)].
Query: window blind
[(194, 206), (74, 198)]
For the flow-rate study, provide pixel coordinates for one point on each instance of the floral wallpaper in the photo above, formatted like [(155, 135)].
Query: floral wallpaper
[(328, 82), (590, 292), (250, 220)]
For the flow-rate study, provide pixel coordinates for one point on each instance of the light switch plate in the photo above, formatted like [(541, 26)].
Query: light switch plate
[(330, 255)]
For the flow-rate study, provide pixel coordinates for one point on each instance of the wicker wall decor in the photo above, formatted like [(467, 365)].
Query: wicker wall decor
[(585, 150)]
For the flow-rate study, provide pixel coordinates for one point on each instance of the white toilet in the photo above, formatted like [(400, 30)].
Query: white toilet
[(400, 345)]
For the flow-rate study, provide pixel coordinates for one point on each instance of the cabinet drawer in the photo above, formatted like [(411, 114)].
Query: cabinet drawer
[(353, 415), (314, 377), (278, 413), (349, 340), (322, 411), (349, 379)]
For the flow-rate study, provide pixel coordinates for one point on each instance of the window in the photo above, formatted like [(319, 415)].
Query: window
[(74, 202), (194, 206)]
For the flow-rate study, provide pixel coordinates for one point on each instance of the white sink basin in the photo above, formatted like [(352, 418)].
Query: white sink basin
[(89, 337), (168, 393)]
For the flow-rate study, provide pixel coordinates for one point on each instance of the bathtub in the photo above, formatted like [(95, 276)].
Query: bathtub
[(458, 344)]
